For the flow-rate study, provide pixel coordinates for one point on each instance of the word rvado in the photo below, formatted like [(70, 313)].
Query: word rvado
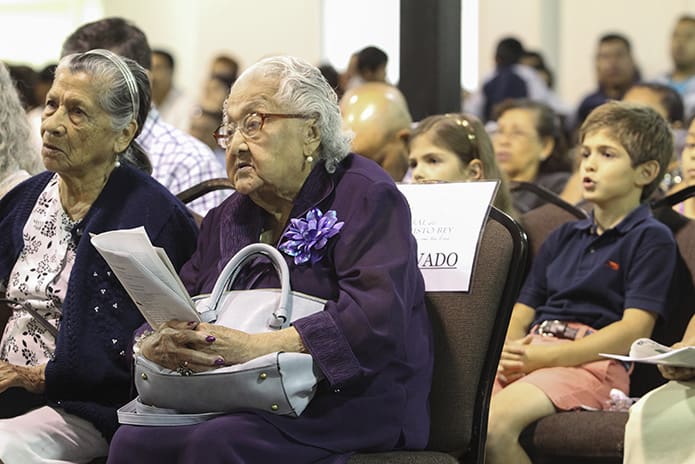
[(438, 260)]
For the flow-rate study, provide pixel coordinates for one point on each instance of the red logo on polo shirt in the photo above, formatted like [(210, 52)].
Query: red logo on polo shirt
[(613, 265)]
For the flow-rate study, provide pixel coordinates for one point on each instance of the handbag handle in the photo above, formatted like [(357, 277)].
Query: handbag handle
[(231, 271), (33, 313)]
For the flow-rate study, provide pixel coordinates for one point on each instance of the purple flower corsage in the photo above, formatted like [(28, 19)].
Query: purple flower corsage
[(307, 238)]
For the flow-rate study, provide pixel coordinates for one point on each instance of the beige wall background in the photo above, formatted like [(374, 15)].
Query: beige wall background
[(566, 31), (248, 30)]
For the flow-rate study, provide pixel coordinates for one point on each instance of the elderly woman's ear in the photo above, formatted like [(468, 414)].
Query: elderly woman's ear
[(312, 137), (548, 147), (125, 137)]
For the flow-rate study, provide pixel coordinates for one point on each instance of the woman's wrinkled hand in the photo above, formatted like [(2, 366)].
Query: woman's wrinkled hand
[(677, 373), (196, 347), (31, 378)]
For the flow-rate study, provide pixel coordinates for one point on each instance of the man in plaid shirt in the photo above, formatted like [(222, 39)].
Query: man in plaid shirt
[(180, 161)]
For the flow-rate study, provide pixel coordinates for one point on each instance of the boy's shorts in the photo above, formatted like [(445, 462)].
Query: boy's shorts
[(568, 388)]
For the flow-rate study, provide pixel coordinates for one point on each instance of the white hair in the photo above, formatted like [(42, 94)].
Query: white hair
[(16, 149), (303, 89)]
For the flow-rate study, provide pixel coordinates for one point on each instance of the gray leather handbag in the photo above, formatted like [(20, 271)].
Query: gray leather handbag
[(280, 383)]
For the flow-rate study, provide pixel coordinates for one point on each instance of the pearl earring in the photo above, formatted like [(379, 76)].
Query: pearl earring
[(310, 159), (117, 163)]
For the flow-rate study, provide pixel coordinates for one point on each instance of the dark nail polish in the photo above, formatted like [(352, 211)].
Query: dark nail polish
[(210, 338), (219, 362)]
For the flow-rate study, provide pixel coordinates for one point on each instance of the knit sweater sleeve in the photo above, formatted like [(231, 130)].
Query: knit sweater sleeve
[(15, 208), (89, 375)]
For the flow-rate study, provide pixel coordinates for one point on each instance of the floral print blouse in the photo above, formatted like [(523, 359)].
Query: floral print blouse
[(39, 278)]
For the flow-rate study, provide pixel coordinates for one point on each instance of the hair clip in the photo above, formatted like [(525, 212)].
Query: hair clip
[(465, 124)]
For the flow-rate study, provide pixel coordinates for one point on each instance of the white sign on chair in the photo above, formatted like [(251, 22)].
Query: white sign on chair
[(448, 220)]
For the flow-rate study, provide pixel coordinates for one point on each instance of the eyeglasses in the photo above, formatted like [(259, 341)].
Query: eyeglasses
[(512, 134), (250, 126)]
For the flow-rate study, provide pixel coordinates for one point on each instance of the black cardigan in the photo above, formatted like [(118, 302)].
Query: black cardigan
[(90, 373)]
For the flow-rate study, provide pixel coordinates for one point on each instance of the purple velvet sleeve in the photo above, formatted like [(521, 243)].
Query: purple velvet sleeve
[(379, 289)]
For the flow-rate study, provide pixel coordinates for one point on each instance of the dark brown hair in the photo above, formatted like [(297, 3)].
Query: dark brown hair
[(548, 124), (640, 130)]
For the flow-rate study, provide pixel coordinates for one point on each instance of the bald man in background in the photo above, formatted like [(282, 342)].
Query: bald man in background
[(378, 115)]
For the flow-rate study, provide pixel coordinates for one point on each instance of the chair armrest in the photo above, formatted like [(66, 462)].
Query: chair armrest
[(206, 186)]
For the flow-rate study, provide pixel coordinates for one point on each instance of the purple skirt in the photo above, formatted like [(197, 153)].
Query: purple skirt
[(242, 437)]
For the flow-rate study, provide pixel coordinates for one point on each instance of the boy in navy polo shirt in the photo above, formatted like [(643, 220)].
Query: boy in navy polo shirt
[(596, 285)]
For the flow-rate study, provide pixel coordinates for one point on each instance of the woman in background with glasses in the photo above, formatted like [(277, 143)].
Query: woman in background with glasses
[(290, 163), (455, 148), (530, 146)]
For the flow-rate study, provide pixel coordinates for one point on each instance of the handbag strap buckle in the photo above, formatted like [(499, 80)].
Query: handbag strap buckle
[(276, 321)]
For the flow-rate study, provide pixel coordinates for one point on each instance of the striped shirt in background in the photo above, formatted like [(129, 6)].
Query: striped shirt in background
[(181, 161)]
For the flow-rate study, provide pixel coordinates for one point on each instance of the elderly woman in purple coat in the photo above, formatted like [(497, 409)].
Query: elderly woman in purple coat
[(288, 159)]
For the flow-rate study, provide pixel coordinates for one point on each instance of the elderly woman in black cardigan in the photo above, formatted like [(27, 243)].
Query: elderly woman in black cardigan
[(94, 110)]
